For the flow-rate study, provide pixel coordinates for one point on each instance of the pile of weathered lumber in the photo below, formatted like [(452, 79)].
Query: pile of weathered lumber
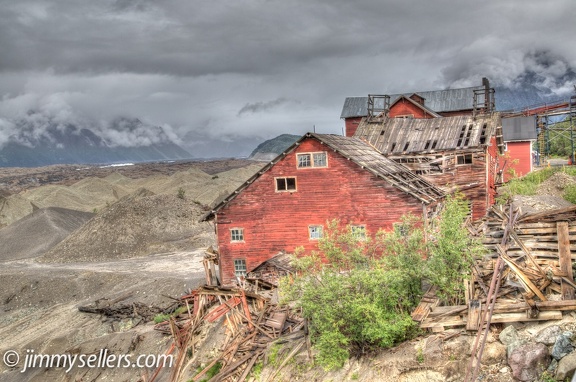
[(536, 280), (252, 325), (114, 310)]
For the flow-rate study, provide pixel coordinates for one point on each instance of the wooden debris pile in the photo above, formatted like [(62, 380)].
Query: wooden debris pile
[(536, 278), (113, 309), (252, 324)]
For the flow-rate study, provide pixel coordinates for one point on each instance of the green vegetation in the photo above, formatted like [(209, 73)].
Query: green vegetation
[(528, 184), (559, 138), (210, 373), (161, 317), (570, 193), (181, 193), (451, 255), (420, 355), (361, 297)]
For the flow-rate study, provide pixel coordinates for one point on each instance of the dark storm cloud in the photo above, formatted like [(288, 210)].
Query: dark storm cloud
[(208, 70)]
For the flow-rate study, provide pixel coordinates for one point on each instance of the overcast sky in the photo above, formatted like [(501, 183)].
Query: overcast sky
[(222, 76)]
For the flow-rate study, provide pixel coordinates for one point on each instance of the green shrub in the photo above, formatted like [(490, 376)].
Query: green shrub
[(452, 254), (570, 193), (361, 296), (181, 193), (357, 302)]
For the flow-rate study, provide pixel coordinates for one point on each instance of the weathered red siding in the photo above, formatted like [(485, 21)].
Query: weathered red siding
[(275, 221), (404, 107), (517, 160), (352, 125)]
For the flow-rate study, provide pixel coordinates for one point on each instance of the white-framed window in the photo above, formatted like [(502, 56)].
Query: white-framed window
[(239, 267), (315, 232), (285, 184), (309, 160), (405, 116), (358, 231), (464, 159), (236, 235)]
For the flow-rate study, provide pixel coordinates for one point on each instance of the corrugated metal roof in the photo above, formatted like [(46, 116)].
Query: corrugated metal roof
[(519, 129), (355, 107), (437, 100), (407, 136)]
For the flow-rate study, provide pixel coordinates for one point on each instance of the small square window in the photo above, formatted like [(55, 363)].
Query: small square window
[(319, 159), (239, 267), (304, 160), (286, 184), (315, 232), (358, 231), (237, 234)]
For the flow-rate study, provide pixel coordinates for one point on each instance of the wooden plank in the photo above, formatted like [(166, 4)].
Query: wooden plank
[(529, 284), (496, 318), (474, 312), (565, 259), (521, 317), (428, 302)]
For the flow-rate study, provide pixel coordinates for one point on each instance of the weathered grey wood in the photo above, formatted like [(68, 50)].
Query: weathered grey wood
[(565, 259)]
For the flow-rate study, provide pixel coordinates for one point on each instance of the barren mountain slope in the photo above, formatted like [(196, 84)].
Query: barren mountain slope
[(137, 225), (14, 207), (39, 231)]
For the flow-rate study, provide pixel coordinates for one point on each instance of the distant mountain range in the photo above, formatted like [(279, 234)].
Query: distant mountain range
[(71, 144), (270, 149)]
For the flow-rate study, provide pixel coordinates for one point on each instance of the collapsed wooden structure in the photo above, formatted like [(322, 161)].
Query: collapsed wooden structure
[(456, 153), (252, 325), (536, 277)]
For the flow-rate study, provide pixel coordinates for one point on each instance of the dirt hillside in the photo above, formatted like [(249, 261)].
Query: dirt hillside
[(39, 231), (137, 225)]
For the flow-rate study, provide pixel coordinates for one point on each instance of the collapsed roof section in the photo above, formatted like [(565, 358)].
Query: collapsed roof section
[(397, 136)]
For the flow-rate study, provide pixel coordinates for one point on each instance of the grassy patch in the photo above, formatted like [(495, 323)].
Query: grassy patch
[(161, 318), (528, 184)]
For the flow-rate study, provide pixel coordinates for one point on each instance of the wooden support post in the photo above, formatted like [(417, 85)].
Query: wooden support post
[(565, 259)]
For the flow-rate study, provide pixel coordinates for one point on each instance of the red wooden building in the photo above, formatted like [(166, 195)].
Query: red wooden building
[(319, 178), (519, 133), (427, 104)]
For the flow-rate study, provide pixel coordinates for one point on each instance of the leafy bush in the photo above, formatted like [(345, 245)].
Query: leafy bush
[(451, 255), (358, 301), (358, 293)]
